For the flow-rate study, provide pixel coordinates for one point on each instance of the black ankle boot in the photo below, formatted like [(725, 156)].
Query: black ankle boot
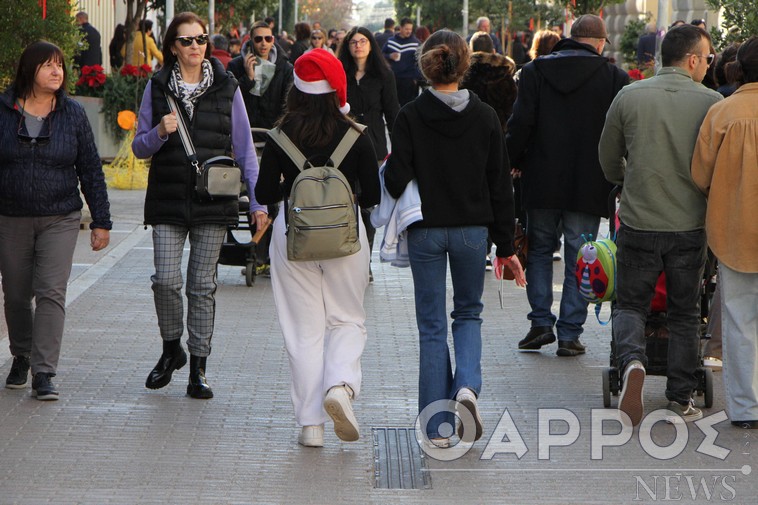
[(173, 358), (198, 387)]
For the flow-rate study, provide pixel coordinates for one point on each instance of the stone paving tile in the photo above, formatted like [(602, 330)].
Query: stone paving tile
[(111, 441)]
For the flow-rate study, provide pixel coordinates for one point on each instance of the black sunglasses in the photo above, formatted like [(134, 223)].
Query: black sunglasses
[(22, 135), (260, 38), (186, 40)]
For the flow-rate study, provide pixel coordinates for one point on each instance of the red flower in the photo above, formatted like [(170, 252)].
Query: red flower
[(145, 70), (130, 70), (636, 75)]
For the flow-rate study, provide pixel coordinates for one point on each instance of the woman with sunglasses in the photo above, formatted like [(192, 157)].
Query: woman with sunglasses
[(318, 41), (211, 106), (46, 151), (371, 93)]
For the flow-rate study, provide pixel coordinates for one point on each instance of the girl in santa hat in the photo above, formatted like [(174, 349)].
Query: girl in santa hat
[(320, 303)]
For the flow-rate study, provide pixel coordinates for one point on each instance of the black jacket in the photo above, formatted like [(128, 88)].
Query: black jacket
[(555, 128), (460, 163), (43, 180), (93, 55), (372, 102), (170, 197), (263, 111)]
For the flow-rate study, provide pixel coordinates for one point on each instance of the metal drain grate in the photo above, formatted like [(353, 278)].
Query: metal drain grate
[(398, 460)]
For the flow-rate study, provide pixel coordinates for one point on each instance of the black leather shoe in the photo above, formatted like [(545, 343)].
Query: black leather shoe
[(198, 386), (170, 360), (43, 387), (570, 348), (536, 338), (19, 374), (747, 425)]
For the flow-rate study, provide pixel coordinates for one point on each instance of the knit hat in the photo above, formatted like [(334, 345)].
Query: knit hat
[(318, 72), (589, 26)]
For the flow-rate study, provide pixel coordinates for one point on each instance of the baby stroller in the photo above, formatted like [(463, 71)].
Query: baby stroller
[(237, 251), (656, 331)]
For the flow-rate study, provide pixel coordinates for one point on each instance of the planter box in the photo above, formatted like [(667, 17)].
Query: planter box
[(107, 146)]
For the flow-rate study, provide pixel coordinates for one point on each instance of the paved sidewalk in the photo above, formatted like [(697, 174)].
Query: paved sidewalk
[(108, 440)]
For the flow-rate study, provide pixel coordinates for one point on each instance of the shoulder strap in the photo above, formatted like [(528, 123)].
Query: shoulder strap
[(189, 147), (289, 148), (351, 135), (297, 157)]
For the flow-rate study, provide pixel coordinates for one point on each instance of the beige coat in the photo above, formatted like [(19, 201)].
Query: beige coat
[(725, 168)]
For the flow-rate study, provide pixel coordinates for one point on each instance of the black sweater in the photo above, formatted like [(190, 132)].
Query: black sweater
[(461, 165)]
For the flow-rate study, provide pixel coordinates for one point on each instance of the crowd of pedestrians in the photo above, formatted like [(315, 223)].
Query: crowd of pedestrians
[(462, 129)]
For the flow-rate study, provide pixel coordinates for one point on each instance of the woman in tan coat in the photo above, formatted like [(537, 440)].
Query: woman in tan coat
[(725, 167)]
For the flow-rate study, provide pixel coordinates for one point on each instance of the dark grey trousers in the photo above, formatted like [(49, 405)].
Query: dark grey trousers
[(35, 262)]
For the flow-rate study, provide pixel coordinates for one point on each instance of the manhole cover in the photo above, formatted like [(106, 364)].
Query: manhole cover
[(398, 460)]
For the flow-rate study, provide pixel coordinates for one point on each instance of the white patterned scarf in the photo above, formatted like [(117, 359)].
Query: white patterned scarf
[(180, 91)]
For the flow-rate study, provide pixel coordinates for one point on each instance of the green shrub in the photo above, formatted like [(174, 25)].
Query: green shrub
[(23, 24)]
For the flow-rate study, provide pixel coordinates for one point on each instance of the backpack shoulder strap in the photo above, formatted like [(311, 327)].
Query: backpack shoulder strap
[(289, 148), (351, 135)]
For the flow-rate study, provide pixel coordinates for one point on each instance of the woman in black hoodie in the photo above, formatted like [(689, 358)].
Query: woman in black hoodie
[(453, 145)]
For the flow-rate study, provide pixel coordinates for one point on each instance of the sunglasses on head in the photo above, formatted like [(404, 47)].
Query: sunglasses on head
[(317, 37), (260, 38), (186, 40)]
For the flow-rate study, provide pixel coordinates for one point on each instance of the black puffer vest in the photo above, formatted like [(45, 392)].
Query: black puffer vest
[(171, 197)]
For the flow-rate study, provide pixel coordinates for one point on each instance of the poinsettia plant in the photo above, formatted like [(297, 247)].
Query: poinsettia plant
[(92, 81)]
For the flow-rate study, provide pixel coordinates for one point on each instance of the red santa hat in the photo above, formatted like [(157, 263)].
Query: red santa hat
[(318, 72)]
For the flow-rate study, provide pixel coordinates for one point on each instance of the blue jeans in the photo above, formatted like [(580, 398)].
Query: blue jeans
[(642, 256), (542, 231), (429, 250)]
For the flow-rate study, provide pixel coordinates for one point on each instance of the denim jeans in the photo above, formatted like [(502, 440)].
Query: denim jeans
[(542, 231), (642, 256), (429, 250)]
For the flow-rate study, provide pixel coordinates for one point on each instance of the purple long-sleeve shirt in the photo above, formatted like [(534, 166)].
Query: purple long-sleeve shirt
[(147, 141)]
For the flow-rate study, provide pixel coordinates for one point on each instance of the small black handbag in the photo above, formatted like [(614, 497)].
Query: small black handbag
[(215, 179)]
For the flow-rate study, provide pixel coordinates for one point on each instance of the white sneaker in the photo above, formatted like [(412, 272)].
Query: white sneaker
[(437, 443), (312, 436), (467, 399), (338, 405), (630, 400), (715, 363)]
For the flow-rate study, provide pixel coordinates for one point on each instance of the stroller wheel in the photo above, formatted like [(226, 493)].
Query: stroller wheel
[(250, 274), (708, 388), (606, 388)]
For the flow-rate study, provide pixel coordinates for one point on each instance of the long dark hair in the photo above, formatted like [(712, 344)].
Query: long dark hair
[(168, 40), (33, 56), (376, 65), (313, 119)]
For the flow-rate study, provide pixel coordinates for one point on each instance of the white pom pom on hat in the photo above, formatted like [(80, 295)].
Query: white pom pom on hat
[(318, 72)]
